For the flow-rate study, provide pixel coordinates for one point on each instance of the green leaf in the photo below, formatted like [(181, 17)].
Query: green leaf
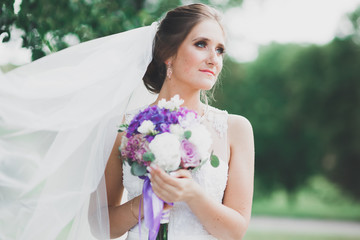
[(149, 157), (137, 169), (214, 160), (198, 167), (123, 127), (187, 134)]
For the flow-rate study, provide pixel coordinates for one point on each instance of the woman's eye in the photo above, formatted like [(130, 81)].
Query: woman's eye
[(201, 44), (220, 50)]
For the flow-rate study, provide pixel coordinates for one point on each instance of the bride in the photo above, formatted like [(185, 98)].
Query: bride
[(214, 202), (58, 124)]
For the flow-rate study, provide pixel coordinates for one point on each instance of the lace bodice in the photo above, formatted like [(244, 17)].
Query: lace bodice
[(183, 223)]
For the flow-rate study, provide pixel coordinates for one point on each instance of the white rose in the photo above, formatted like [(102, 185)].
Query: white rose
[(146, 127), (166, 149), (177, 130), (201, 138), (188, 120)]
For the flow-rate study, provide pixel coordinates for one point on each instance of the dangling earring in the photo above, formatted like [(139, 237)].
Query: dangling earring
[(169, 71)]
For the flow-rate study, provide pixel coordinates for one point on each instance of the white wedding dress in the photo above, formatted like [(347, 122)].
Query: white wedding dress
[(183, 223)]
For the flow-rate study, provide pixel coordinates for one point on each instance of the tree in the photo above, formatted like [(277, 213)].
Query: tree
[(269, 97), (303, 104), (48, 25)]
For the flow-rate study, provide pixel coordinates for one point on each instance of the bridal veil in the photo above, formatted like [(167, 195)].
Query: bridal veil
[(58, 122)]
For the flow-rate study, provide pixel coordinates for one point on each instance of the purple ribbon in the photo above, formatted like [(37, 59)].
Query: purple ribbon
[(153, 207)]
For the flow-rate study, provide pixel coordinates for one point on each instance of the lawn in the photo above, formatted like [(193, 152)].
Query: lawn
[(317, 199), (289, 236)]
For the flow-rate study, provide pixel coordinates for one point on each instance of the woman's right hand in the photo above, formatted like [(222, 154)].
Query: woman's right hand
[(177, 186)]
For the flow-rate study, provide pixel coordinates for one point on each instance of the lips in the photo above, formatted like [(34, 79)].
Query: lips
[(207, 71)]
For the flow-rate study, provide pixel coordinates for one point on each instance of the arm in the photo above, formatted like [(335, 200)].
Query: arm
[(120, 216), (230, 219)]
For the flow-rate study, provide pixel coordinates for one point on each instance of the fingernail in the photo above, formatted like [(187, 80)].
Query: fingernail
[(149, 176), (174, 174), (148, 169)]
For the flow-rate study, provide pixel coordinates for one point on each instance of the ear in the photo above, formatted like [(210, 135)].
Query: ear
[(168, 61)]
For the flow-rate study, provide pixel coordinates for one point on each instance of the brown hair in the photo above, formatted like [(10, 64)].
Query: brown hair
[(172, 31)]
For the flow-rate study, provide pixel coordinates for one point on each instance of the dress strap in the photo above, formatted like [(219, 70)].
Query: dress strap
[(219, 120)]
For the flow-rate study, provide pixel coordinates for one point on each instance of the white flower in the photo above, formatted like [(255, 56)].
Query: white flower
[(146, 127), (201, 138), (177, 101), (124, 141), (189, 119), (173, 104), (177, 130), (166, 148)]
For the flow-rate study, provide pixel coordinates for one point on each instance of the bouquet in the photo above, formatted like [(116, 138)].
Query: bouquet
[(170, 136)]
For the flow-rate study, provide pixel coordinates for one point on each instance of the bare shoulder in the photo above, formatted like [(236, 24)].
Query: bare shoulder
[(241, 139), (239, 125)]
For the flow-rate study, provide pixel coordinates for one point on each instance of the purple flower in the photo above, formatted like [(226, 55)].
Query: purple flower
[(164, 127), (135, 148), (157, 118), (189, 155), (149, 138)]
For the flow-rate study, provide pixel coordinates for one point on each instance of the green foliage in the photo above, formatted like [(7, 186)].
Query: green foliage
[(340, 123), (214, 160), (47, 24), (318, 198), (149, 157), (187, 134), (7, 18), (137, 169), (123, 127), (354, 18), (303, 104), (271, 235)]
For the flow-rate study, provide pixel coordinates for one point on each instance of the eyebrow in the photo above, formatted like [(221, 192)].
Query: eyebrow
[(207, 40)]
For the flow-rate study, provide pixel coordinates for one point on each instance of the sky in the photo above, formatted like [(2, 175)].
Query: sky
[(260, 22), (255, 23)]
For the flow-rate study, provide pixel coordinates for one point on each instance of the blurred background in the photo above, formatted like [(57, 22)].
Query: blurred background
[(292, 68)]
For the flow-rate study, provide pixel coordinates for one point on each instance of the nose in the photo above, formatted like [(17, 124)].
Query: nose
[(213, 58)]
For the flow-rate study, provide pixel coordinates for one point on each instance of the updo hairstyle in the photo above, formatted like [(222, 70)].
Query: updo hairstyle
[(172, 31)]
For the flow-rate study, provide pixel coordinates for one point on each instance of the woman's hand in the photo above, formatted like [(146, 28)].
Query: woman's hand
[(174, 187)]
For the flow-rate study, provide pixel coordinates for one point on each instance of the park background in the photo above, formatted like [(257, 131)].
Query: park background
[(302, 98)]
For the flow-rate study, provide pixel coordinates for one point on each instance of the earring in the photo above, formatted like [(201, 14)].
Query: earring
[(169, 71)]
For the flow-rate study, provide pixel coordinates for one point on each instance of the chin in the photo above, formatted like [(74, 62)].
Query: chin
[(207, 84), (202, 83)]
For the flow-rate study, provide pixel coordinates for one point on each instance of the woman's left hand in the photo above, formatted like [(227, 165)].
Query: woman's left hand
[(174, 187)]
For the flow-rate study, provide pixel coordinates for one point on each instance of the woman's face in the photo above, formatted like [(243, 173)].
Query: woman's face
[(199, 59)]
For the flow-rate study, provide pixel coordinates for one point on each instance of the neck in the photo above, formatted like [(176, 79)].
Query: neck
[(191, 97)]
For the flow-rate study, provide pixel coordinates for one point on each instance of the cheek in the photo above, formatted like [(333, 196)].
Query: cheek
[(191, 60), (220, 67)]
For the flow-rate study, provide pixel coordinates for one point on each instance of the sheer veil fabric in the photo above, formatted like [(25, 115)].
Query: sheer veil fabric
[(58, 122)]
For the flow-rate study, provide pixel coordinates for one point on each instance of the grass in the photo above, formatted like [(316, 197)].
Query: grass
[(289, 236), (318, 199)]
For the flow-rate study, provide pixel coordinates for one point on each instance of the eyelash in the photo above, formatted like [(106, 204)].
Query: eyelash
[(203, 44)]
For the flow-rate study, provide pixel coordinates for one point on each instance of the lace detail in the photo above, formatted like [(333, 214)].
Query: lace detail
[(183, 223), (219, 120)]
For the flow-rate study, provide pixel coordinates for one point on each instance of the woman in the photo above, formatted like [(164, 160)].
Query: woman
[(213, 203), (58, 123)]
